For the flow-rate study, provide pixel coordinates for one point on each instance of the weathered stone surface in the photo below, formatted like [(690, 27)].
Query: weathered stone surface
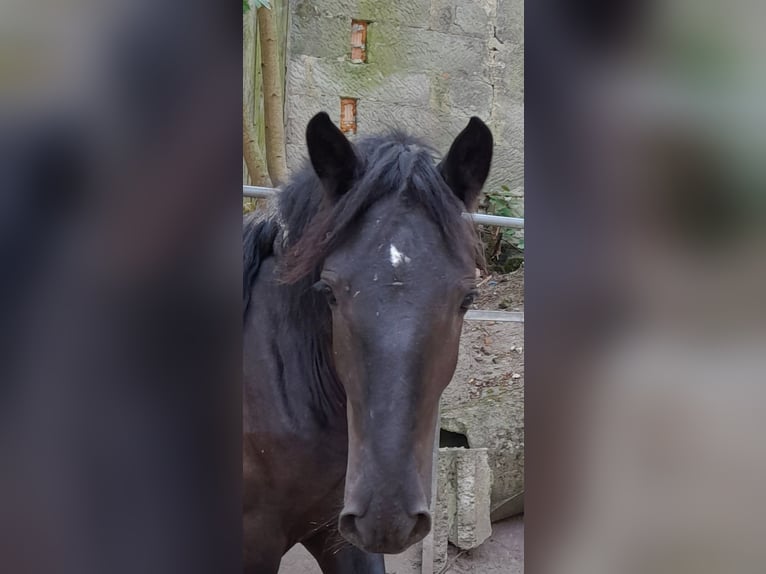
[(459, 17), (317, 76), (495, 421), (320, 37), (509, 28), (416, 50), (472, 18), (508, 131), (473, 481), (412, 13), (463, 501), (472, 97), (296, 154), (506, 70), (431, 65), (441, 15), (384, 116), (445, 508)]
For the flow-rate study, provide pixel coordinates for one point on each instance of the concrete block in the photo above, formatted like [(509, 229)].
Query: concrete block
[(441, 15), (461, 18), (399, 48), (438, 128), (507, 127), (471, 97), (473, 482), (510, 22), (506, 70), (412, 13), (494, 421), (297, 154), (319, 36), (463, 501), (300, 76), (472, 19), (445, 507), (320, 76)]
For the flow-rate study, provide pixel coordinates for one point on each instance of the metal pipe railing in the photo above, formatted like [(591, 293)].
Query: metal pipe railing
[(481, 218)]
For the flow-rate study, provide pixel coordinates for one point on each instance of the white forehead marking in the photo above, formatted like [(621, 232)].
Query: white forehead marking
[(397, 256)]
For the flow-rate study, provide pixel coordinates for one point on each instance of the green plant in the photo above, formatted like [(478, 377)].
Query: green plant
[(504, 246), (250, 204)]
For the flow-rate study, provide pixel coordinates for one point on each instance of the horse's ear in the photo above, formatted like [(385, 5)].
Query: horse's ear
[(332, 155), (466, 166)]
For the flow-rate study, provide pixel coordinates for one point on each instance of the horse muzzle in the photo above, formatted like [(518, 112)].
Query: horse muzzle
[(382, 530)]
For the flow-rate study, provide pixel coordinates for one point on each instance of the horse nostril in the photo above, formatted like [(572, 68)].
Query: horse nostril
[(422, 526), (347, 524)]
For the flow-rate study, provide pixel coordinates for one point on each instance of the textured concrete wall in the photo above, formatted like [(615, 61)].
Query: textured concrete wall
[(495, 421), (431, 65)]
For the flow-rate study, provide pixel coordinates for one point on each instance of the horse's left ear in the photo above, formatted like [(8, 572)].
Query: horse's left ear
[(466, 166), (332, 155)]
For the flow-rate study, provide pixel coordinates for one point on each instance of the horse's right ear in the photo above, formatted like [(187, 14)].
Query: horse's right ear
[(332, 155), (466, 166)]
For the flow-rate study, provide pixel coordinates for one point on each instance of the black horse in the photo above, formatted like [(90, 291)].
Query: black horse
[(355, 289)]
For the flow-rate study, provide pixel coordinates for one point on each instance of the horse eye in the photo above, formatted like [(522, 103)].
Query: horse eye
[(468, 300), (326, 290)]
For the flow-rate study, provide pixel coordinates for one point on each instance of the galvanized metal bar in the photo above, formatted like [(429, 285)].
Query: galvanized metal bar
[(498, 220), (499, 316), (480, 218), (259, 192)]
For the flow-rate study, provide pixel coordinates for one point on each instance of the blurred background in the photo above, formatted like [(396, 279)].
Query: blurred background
[(119, 286), (645, 287)]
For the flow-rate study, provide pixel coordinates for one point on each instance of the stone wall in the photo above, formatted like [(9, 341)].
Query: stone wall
[(431, 65)]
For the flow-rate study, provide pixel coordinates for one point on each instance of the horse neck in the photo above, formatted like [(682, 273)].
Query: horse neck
[(308, 333)]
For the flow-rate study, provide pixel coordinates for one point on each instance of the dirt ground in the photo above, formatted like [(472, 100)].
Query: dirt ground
[(491, 355), (501, 553), (502, 291)]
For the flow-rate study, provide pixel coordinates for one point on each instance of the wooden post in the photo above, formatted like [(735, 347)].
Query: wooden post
[(273, 96), (256, 166)]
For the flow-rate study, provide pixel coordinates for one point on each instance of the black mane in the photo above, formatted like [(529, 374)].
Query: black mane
[(257, 244), (395, 164)]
